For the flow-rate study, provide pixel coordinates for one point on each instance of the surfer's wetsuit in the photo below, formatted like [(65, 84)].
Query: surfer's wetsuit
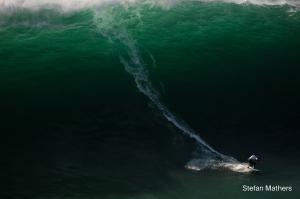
[(252, 161)]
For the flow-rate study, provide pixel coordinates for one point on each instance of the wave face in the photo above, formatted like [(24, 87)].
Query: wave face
[(123, 22)]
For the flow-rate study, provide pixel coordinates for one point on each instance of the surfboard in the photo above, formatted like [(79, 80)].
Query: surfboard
[(253, 170)]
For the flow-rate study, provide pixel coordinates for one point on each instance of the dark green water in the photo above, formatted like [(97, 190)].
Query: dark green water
[(74, 124)]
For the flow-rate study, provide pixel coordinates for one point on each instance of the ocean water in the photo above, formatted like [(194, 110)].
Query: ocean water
[(148, 99)]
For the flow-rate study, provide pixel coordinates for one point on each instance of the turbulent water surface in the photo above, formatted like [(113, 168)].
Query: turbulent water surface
[(148, 98)]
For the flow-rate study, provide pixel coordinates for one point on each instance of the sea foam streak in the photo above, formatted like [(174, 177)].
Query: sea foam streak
[(135, 66)]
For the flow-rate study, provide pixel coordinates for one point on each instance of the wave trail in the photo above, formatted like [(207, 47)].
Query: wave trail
[(208, 157), (136, 68), (115, 30)]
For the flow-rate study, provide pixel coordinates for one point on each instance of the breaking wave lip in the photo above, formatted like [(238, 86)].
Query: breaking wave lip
[(75, 5)]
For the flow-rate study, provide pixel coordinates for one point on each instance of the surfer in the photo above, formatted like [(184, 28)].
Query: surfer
[(252, 161)]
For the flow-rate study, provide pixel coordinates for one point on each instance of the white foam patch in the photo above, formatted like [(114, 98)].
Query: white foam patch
[(291, 3), (228, 164), (261, 2)]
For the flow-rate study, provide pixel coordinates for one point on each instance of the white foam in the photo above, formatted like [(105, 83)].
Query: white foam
[(209, 163), (295, 3)]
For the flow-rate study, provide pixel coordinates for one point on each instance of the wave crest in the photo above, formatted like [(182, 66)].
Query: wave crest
[(75, 5)]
